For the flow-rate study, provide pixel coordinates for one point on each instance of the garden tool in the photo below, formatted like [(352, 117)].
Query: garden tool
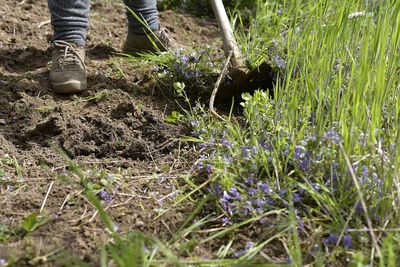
[(241, 77)]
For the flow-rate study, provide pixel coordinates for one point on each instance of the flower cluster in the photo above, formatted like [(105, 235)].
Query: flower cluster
[(105, 196), (195, 70), (265, 166), (332, 240)]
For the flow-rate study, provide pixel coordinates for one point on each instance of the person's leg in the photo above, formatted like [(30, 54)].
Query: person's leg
[(70, 21), (144, 9), (139, 39)]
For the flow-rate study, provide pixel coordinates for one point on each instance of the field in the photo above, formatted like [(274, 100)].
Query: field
[(137, 171)]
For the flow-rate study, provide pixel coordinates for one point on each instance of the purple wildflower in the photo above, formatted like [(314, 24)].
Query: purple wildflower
[(301, 191), (300, 221), (248, 180), (267, 146), (265, 188), (235, 193), (194, 123), (334, 176), (260, 202), (270, 202), (347, 241), (199, 165), (245, 152), (296, 197), (201, 146), (304, 164), (209, 168), (156, 68), (364, 171), (227, 158), (115, 227), (247, 208), (359, 207), (285, 152), (335, 165), (252, 191), (330, 134), (314, 250), (105, 196), (297, 152), (225, 142), (184, 59), (282, 192), (225, 196), (331, 239), (218, 188), (225, 201), (316, 187), (279, 62)]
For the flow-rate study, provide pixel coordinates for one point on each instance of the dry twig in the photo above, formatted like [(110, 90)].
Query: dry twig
[(47, 195), (43, 23), (216, 87)]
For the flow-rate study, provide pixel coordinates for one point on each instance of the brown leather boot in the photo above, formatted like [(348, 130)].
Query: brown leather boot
[(153, 42), (68, 71)]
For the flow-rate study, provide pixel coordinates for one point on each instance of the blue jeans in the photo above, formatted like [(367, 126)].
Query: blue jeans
[(70, 18)]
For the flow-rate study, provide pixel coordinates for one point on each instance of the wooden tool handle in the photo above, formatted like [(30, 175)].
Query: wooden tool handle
[(228, 39)]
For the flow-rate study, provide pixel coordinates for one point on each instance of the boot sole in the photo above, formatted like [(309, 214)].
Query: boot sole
[(69, 87)]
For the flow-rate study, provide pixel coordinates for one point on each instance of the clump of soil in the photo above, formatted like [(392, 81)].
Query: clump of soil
[(118, 126)]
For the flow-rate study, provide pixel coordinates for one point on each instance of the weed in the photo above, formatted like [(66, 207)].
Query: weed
[(183, 73), (5, 233), (33, 221), (175, 117)]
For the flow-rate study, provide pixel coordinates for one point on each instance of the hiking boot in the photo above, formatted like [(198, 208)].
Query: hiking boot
[(141, 43), (68, 71)]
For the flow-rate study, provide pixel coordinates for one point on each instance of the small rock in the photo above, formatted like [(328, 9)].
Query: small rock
[(140, 223), (2, 122)]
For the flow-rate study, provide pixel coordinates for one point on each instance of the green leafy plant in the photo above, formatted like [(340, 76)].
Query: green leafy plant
[(175, 117), (5, 233), (33, 221)]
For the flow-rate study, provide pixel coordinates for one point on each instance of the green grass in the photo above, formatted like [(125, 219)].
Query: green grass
[(325, 143)]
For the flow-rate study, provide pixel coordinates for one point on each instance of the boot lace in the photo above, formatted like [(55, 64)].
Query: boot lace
[(68, 57)]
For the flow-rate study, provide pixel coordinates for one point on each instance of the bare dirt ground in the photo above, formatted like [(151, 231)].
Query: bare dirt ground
[(114, 131)]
